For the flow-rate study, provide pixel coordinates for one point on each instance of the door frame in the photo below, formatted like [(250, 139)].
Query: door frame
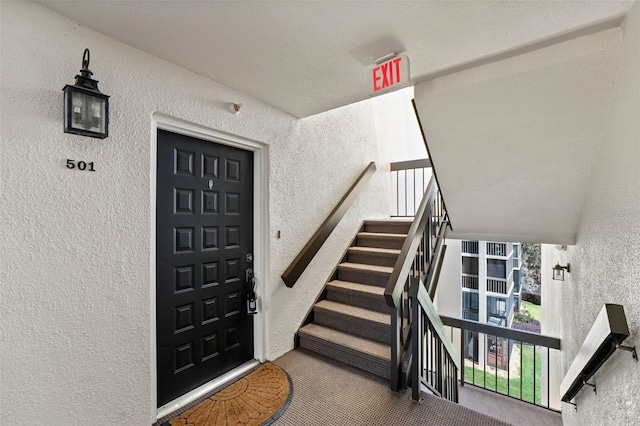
[(260, 249)]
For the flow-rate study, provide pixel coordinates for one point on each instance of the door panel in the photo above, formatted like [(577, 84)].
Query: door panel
[(204, 231)]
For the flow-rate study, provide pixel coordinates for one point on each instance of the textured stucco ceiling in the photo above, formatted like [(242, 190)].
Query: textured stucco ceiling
[(305, 57), (514, 142), (512, 95)]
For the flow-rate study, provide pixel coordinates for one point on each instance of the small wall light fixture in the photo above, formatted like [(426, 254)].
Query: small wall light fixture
[(86, 109), (558, 271)]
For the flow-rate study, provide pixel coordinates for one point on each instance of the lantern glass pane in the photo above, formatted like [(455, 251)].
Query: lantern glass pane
[(558, 274), (87, 112)]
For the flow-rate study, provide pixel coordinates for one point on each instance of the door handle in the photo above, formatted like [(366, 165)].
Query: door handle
[(252, 306)]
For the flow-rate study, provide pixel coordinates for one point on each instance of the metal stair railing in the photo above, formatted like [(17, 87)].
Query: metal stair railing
[(435, 363), (421, 257)]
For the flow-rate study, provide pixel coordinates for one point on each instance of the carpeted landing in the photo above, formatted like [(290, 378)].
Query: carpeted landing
[(331, 393), (257, 399)]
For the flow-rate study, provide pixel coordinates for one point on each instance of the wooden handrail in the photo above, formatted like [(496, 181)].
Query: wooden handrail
[(401, 269), (308, 252), (607, 333)]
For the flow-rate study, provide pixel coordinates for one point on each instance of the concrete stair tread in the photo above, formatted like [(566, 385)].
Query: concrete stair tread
[(366, 267), (362, 288), (348, 340), (374, 250), (354, 311)]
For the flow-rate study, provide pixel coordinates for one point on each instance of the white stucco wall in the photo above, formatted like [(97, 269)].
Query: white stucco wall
[(551, 322), (76, 282), (449, 297), (605, 262), (404, 139)]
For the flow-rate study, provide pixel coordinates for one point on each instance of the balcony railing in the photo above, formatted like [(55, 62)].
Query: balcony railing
[(410, 182), (516, 263), (470, 282), (496, 249), (497, 286), (510, 362), (470, 247)]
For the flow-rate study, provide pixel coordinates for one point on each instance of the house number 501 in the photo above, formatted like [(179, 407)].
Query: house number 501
[(80, 165)]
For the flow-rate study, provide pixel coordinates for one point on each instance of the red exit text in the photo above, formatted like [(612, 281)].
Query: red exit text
[(388, 74)]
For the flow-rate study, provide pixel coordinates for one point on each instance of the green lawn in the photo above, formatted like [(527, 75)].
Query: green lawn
[(534, 310), (490, 381)]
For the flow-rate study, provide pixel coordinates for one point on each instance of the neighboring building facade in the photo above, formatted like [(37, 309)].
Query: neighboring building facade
[(480, 281), (491, 272), (490, 292)]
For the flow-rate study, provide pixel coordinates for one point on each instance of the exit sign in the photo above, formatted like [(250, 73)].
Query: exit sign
[(391, 74)]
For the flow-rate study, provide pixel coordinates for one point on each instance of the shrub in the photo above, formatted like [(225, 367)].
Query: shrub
[(531, 297), (533, 326), (523, 317)]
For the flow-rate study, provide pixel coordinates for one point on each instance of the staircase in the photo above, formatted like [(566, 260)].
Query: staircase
[(352, 324)]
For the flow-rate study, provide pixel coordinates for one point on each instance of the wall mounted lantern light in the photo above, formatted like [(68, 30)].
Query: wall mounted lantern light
[(558, 271), (86, 109)]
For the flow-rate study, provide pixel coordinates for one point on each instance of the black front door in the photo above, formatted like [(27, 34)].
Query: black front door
[(204, 247)]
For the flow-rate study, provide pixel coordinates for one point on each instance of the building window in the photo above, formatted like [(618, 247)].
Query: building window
[(496, 306), (470, 301), (471, 345), (499, 321), (470, 306), (497, 268), (470, 315), (470, 265)]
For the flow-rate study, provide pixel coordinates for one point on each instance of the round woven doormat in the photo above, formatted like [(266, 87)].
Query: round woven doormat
[(257, 399)]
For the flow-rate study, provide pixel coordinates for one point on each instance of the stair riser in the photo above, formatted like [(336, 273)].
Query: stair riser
[(388, 228), (380, 242), (373, 259), (357, 359), (354, 325), (362, 300), (363, 276)]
